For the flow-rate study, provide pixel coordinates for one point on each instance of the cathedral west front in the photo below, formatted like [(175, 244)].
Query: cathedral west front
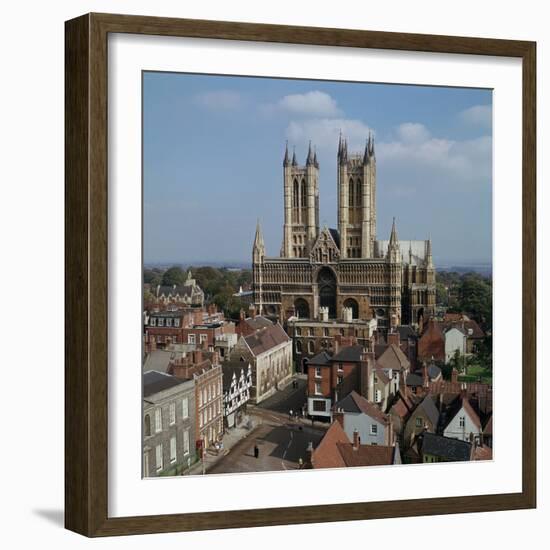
[(345, 272)]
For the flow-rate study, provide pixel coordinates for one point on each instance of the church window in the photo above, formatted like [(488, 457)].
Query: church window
[(303, 193), (358, 193), (295, 194), (351, 192)]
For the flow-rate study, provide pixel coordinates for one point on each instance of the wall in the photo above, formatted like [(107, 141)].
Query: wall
[(32, 254)]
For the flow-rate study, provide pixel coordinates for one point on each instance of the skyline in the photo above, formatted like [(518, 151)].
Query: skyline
[(228, 134)]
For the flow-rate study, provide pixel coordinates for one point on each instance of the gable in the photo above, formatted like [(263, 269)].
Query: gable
[(325, 250)]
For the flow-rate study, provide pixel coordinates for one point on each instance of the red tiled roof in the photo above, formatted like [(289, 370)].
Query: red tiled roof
[(366, 455), (326, 455)]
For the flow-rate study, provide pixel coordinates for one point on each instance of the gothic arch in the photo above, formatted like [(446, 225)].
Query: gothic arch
[(358, 190), (350, 302), (351, 190), (304, 194), (301, 307), (295, 194), (327, 283)]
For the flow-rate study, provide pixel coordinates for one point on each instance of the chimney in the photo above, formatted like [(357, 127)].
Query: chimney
[(393, 338), (197, 356), (252, 311), (242, 315), (365, 373), (338, 416), (356, 440)]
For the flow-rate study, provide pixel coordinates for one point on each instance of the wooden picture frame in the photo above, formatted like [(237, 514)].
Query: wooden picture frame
[(86, 230)]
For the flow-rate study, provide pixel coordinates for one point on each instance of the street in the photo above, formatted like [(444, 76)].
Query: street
[(281, 442)]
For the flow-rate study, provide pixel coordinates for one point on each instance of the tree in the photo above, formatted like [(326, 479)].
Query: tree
[(152, 277), (174, 276), (476, 298)]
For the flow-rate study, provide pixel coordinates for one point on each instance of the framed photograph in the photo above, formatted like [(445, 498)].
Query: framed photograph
[(300, 275)]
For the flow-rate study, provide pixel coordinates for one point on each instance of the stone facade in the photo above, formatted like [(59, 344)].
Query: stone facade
[(346, 268), (168, 424)]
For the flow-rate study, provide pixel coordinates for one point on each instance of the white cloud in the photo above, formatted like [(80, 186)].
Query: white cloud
[(413, 132), (324, 132), (478, 115), (314, 103), (222, 100)]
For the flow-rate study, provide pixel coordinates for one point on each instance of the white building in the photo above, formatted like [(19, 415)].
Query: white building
[(461, 421), (455, 339)]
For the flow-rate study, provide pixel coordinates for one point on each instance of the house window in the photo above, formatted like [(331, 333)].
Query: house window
[(153, 322), (340, 367), (158, 456), (374, 429), (298, 331), (168, 322), (147, 425), (419, 422), (201, 419), (325, 332), (318, 388), (158, 420), (377, 396), (190, 338), (310, 331), (176, 322), (462, 421), (204, 397), (172, 450), (340, 380), (317, 372), (319, 406), (161, 322), (203, 338), (310, 347), (172, 410), (185, 442), (298, 346), (375, 379), (185, 408)]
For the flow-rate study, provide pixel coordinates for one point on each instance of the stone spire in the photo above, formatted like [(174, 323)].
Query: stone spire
[(371, 146), (286, 160), (315, 161), (410, 253), (393, 236), (394, 251), (366, 155), (309, 160), (294, 161), (429, 258), (259, 238)]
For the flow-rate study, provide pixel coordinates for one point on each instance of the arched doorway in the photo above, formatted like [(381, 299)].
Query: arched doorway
[(301, 308), (327, 290), (351, 303)]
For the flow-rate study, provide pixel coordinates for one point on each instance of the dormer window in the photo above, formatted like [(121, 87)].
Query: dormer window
[(168, 322), (160, 322), (153, 322), (176, 322)]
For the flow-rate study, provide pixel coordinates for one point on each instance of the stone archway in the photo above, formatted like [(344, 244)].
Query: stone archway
[(301, 308), (326, 280), (351, 303)]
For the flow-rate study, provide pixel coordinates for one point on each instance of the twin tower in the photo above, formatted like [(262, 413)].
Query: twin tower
[(356, 202)]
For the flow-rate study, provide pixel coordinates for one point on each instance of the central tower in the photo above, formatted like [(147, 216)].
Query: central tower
[(357, 200), (301, 198)]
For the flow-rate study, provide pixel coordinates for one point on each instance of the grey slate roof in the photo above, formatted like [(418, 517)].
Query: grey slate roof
[(429, 408), (445, 447), (322, 358), (349, 354), (155, 382), (335, 236), (434, 371), (414, 379)]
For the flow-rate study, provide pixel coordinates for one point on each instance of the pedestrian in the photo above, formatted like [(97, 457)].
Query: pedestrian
[(290, 414), (256, 451)]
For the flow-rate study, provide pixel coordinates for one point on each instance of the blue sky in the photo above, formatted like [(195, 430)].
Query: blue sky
[(213, 150)]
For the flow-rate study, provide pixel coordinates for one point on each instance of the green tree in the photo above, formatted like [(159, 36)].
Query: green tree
[(476, 298), (174, 276)]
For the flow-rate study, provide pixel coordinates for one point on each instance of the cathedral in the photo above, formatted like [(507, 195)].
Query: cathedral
[(345, 272)]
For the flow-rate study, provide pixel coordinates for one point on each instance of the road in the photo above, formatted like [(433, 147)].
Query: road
[(281, 442)]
